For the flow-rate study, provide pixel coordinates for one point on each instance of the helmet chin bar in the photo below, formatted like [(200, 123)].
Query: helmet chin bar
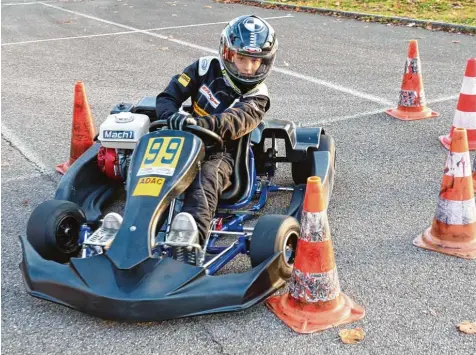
[(242, 79)]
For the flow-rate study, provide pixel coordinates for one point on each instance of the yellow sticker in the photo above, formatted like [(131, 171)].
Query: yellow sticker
[(198, 110), (161, 156), (184, 79), (149, 186)]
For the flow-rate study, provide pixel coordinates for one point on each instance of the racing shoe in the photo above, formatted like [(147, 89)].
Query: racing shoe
[(183, 238), (112, 221), (103, 237)]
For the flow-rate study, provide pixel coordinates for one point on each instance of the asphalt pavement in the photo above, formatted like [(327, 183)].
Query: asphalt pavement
[(336, 73)]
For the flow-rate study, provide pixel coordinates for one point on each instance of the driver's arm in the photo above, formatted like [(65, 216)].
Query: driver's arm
[(238, 120), (177, 92)]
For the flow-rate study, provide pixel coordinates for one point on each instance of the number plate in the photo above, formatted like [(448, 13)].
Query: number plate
[(161, 156)]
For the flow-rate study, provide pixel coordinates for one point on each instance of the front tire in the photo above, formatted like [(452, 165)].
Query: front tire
[(275, 233), (53, 229)]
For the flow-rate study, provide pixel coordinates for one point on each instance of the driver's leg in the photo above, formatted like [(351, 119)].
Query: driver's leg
[(201, 198)]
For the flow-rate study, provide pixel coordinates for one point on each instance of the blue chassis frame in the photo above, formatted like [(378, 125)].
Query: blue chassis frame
[(226, 254), (236, 223)]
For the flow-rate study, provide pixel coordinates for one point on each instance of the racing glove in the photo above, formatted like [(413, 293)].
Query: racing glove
[(178, 120)]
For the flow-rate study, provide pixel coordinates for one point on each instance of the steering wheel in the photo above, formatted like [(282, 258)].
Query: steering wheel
[(209, 138)]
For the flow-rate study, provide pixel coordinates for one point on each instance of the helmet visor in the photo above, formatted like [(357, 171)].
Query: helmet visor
[(248, 65)]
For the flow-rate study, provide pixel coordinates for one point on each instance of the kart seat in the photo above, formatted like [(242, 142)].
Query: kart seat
[(240, 179)]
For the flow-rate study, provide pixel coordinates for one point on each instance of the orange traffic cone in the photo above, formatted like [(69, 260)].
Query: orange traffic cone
[(83, 129), (412, 102), (465, 115), (453, 230), (314, 301)]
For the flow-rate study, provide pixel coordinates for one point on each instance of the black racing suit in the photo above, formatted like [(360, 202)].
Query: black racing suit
[(219, 106)]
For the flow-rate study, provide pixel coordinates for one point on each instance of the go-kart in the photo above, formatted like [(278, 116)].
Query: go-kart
[(128, 267)]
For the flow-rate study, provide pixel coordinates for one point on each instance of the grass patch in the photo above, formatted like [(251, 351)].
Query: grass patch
[(460, 12)]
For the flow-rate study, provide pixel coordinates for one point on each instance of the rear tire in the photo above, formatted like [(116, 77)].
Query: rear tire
[(275, 233), (53, 229)]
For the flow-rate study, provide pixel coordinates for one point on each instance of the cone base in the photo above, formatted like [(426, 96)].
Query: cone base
[(304, 321), (446, 142), (427, 241), (411, 116), (63, 168)]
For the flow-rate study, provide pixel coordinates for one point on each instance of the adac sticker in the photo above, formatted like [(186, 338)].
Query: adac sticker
[(184, 79), (148, 186)]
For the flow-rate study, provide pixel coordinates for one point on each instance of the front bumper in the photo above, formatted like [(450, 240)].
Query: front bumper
[(154, 290)]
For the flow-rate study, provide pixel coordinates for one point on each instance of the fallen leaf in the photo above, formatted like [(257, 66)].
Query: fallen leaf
[(352, 336), (467, 327), (208, 7)]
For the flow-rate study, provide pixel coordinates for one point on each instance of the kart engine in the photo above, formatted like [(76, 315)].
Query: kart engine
[(119, 135)]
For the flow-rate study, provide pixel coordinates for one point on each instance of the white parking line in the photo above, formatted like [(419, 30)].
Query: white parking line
[(210, 50), (66, 38), (345, 118), (442, 99), (374, 112), (334, 86), (213, 23), (9, 136), (129, 32)]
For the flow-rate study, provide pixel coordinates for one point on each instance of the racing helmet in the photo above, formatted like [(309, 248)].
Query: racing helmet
[(249, 36)]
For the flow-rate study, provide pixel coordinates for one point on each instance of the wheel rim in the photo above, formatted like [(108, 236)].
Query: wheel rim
[(67, 234), (289, 248)]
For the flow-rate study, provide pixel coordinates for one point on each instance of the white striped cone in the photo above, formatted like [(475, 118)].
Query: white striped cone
[(314, 301), (465, 115), (453, 230)]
